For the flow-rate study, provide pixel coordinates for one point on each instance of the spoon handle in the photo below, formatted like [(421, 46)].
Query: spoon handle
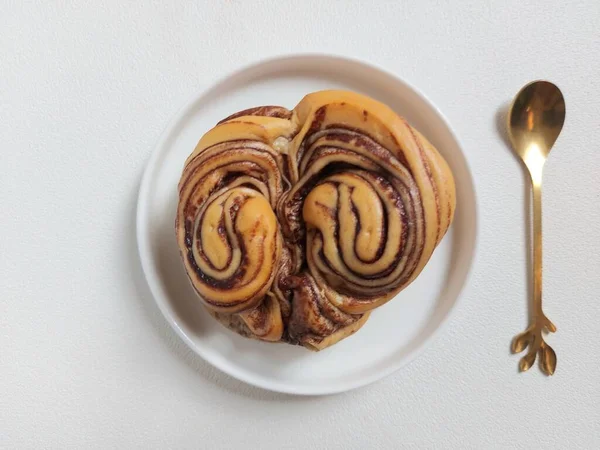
[(537, 249), (532, 337)]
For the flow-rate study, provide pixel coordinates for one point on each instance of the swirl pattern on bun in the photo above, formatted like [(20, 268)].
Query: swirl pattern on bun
[(293, 225)]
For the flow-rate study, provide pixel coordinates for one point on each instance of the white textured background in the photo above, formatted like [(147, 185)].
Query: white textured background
[(86, 361)]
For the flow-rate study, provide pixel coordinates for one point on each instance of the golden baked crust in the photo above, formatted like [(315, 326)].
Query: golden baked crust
[(294, 225)]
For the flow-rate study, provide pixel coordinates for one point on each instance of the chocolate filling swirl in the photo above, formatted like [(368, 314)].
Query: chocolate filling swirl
[(294, 225)]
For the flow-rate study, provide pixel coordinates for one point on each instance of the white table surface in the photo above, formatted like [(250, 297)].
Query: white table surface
[(87, 361)]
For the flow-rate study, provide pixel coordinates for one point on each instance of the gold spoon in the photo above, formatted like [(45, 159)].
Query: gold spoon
[(535, 120)]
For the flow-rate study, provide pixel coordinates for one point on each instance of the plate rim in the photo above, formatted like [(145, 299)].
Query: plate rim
[(144, 251)]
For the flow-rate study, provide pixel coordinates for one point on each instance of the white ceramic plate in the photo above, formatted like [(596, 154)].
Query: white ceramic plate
[(396, 332)]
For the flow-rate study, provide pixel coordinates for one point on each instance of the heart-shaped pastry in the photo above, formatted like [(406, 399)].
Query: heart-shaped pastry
[(294, 225)]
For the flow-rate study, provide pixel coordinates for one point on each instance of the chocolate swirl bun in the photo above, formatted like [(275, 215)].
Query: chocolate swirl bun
[(294, 225)]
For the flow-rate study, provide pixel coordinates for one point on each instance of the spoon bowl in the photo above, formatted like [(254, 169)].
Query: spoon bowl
[(535, 120)]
